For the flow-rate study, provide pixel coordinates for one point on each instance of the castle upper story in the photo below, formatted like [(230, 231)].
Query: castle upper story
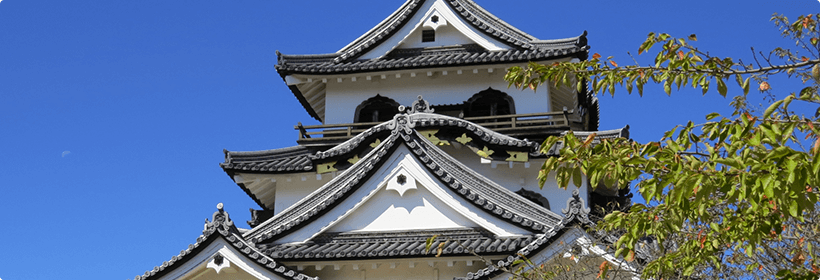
[(452, 52)]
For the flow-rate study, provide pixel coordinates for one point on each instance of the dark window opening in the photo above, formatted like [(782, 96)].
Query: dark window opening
[(376, 109), (428, 36), (434, 19), (489, 102)]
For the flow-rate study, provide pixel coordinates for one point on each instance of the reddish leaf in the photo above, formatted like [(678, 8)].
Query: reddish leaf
[(596, 56), (613, 63), (630, 256), (804, 59), (680, 54), (764, 86), (816, 147), (603, 269)]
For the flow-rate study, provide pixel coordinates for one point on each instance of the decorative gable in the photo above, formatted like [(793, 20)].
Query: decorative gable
[(410, 199), (435, 25), (403, 196)]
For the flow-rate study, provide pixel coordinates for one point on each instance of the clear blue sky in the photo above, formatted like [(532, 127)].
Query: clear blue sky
[(114, 114)]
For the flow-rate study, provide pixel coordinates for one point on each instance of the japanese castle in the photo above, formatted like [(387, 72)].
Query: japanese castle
[(420, 137)]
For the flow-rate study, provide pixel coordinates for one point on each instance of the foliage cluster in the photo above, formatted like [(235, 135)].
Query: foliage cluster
[(733, 197)]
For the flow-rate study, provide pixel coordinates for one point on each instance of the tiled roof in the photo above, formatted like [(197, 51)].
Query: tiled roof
[(575, 214), (468, 10), (291, 159), (474, 187), (524, 47), (222, 226), (396, 244), (293, 64), (599, 135), (603, 134)]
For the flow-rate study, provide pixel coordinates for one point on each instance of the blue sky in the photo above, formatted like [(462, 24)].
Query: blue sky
[(114, 114)]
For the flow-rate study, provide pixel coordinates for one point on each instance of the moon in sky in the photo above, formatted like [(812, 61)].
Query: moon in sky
[(65, 153)]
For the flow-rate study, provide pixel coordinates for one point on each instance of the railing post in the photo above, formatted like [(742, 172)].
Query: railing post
[(349, 130), (566, 117), (302, 131)]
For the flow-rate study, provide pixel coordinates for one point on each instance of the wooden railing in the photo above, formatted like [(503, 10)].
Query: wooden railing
[(507, 124)]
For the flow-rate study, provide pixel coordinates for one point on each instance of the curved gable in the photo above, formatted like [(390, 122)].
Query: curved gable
[(488, 196)]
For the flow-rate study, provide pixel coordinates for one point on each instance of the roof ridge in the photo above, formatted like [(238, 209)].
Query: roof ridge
[(488, 17), (223, 226), (386, 27)]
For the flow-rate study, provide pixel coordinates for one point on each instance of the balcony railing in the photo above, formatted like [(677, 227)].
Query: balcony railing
[(518, 124)]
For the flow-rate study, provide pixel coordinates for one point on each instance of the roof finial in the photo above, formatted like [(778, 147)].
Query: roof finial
[(420, 106), (582, 40), (576, 209)]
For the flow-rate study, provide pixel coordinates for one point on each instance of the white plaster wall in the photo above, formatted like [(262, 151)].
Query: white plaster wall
[(292, 188), (518, 177), (342, 98), (445, 36), (389, 211)]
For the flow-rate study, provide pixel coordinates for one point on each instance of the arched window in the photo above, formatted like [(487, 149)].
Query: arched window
[(376, 109), (489, 102)]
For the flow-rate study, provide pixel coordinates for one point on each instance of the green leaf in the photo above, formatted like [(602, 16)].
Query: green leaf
[(577, 176), (770, 110), (429, 242), (722, 87), (793, 207), (712, 116)]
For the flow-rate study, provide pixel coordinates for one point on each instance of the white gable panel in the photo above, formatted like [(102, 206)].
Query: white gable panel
[(403, 209), (444, 206), (456, 30), (234, 266)]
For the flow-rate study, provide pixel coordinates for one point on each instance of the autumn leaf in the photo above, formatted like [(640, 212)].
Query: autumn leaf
[(630, 256), (764, 86), (589, 139), (804, 59), (680, 54), (693, 37), (613, 63), (596, 56), (440, 249), (603, 269)]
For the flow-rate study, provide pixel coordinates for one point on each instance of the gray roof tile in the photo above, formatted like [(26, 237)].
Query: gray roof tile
[(223, 227), (291, 159), (525, 47), (396, 244)]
